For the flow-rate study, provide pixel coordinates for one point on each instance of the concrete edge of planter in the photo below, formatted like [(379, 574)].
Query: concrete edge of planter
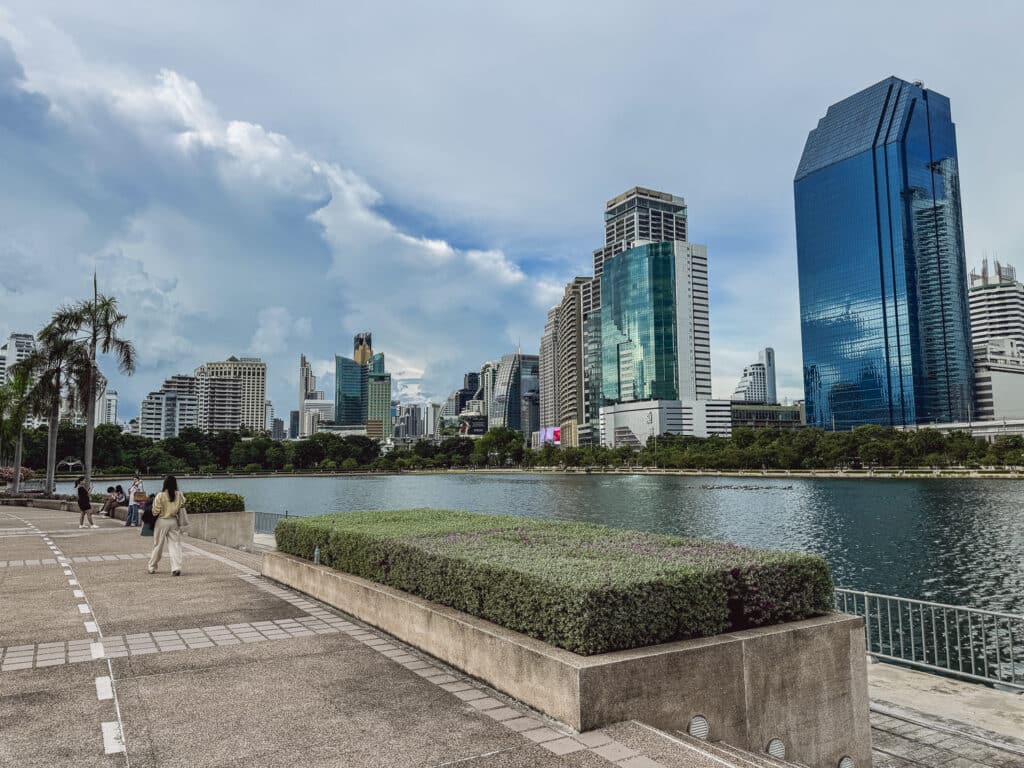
[(232, 529), (804, 682)]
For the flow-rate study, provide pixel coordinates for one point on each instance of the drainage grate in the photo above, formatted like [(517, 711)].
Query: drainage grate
[(777, 749), (846, 762), (699, 727)]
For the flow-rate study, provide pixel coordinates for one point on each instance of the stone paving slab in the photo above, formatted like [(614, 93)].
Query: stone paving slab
[(37, 604)]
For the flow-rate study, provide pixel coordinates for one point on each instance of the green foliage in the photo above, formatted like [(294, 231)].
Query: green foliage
[(199, 502), (586, 588)]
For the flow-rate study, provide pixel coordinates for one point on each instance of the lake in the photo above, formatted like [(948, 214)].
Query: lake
[(954, 541)]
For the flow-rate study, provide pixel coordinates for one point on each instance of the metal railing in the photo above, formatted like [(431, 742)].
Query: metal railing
[(983, 646), (266, 522)]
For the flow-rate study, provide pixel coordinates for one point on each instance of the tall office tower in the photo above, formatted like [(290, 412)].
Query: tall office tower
[(277, 431), (378, 408), (307, 384), (655, 338), (488, 374), (432, 419), (376, 364), (293, 425), (165, 414), (362, 347), (106, 408), (636, 217), (591, 378), (880, 250), (350, 387), (251, 373), (318, 411), (516, 400), (268, 419), (757, 385), (471, 382), (18, 347), (570, 364), (549, 371), (410, 421), (996, 301)]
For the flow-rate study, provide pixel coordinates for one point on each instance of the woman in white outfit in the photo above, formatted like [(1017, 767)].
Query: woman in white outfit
[(166, 506)]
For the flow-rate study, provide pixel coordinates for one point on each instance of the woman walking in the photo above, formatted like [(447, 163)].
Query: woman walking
[(84, 503), (166, 506)]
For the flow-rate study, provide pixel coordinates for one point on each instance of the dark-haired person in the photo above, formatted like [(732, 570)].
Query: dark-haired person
[(111, 501), (148, 521), (166, 506), (84, 503)]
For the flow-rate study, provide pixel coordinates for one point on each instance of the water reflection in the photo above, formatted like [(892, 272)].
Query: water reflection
[(957, 541)]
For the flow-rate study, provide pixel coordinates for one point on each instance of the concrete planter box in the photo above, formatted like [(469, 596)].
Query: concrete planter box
[(804, 682), (54, 504), (232, 529)]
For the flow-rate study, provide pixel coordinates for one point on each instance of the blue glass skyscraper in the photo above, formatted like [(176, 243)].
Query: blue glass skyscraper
[(883, 277)]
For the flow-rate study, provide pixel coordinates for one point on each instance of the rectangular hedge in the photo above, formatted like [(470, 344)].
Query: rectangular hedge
[(203, 502), (586, 588)]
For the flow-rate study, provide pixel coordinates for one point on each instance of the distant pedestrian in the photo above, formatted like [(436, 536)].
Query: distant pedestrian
[(166, 506), (84, 503), (136, 496)]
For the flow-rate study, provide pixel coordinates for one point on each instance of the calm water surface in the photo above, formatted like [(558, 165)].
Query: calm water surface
[(955, 541)]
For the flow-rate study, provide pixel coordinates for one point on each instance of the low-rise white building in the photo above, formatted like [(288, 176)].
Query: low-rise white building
[(999, 380), (634, 423)]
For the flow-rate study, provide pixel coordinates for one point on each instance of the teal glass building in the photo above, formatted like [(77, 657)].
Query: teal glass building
[(882, 272), (638, 336), (350, 392)]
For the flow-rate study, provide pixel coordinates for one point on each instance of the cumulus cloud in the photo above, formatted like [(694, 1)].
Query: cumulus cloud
[(222, 237)]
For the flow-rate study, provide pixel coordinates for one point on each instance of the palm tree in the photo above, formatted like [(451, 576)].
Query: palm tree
[(18, 404), (56, 361), (95, 325)]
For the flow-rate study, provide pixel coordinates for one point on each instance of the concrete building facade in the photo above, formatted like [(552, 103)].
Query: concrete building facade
[(216, 396), (999, 380), (549, 371), (996, 301), (632, 424), (166, 414), (757, 384)]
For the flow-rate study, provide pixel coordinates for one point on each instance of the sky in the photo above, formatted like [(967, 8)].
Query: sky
[(251, 179)]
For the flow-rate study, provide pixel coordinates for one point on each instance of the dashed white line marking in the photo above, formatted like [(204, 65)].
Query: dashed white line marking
[(79, 594), (104, 688), (90, 626), (113, 739), (68, 572), (73, 582), (97, 650), (84, 608)]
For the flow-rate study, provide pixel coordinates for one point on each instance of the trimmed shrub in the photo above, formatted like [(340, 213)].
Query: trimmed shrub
[(7, 474), (586, 588), (199, 502)]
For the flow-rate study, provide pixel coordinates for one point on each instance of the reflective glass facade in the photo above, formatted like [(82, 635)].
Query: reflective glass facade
[(350, 387), (639, 358), (883, 283)]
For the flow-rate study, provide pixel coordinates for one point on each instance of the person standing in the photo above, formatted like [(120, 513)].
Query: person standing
[(84, 503), (136, 493), (166, 506)]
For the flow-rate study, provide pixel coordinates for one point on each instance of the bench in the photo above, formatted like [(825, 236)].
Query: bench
[(31, 486)]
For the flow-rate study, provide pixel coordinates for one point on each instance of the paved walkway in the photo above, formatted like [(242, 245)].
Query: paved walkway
[(104, 665)]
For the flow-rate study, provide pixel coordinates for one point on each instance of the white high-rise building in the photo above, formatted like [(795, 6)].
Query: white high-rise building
[(757, 385), (106, 408), (549, 371), (432, 418), (18, 347), (307, 385), (220, 400), (997, 304), (268, 419), (165, 414), (999, 380)]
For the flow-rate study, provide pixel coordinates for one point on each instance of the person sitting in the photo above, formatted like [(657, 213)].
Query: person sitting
[(110, 502)]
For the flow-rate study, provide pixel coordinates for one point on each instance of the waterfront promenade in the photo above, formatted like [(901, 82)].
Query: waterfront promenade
[(104, 665)]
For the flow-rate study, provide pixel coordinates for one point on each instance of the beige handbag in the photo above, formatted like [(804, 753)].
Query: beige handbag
[(182, 518)]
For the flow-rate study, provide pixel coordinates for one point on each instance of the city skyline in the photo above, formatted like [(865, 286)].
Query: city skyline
[(316, 207)]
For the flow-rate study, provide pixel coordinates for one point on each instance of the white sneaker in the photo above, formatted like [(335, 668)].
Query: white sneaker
[(81, 526), (94, 526)]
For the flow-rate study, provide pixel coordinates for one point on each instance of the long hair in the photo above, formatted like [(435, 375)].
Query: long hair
[(171, 486)]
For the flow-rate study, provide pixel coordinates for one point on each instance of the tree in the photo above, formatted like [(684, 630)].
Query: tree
[(16, 404), (95, 325), (56, 362)]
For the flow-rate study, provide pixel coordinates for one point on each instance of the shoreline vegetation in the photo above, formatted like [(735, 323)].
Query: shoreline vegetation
[(893, 473), (867, 451)]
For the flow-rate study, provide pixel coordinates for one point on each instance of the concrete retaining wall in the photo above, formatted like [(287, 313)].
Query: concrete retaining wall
[(55, 504), (803, 682), (232, 529)]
